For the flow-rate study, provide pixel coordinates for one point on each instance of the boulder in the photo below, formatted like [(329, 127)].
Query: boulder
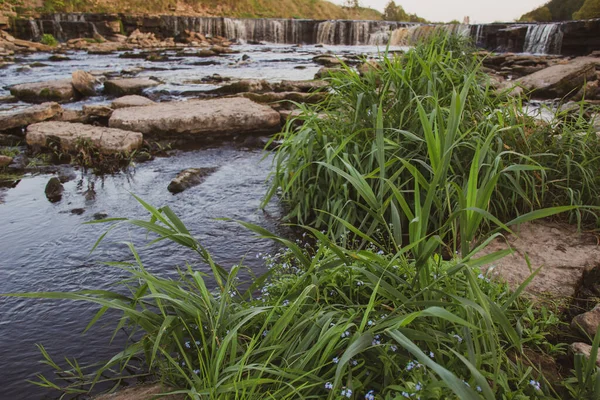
[(84, 83), (71, 116), (41, 92), (327, 61), (561, 79), (54, 190), (107, 140), (28, 115), (300, 86), (588, 322), (245, 85), (562, 252), (5, 160), (97, 111), (123, 87), (131, 101), (325, 72), (585, 350), (198, 117), (188, 178), (273, 97)]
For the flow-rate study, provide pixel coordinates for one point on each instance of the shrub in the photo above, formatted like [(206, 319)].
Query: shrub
[(49, 40)]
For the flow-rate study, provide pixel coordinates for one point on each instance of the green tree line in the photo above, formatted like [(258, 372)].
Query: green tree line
[(564, 10)]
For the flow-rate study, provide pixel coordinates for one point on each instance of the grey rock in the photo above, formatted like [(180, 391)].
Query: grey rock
[(29, 115), (588, 322), (188, 178), (131, 101), (585, 350), (54, 190), (84, 83), (41, 92), (123, 87)]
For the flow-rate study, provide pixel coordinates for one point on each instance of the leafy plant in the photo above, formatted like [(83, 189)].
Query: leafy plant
[(49, 40)]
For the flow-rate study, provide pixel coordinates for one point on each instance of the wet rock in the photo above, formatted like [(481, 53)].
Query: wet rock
[(588, 322), (66, 175), (123, 87), (188, 178), (32, 46), (561, 79), (562, 252), (368, 67), (245, 85), (131, 101), (71, 116), (301, 86), (54, 190), (41, 92), (327, 61), (97, 111), (325, 72), (77, 211), (201, 117), (585, 350), (8, 99), (100, 215), (58, 58), (106, 140), (84, 83), (273, 97), (29, 115), (5, 160)]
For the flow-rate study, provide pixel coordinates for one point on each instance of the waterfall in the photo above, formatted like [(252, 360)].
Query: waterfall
[(326, 32), (234, 29), (543, 39), (359, 33), (35, 30), (479, 36)]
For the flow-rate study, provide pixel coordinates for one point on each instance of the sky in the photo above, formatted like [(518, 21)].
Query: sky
[(480, 11)]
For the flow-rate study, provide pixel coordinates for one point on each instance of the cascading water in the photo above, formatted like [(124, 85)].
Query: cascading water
[(543, 39), (326, 32), (35, 30), (359, 33)]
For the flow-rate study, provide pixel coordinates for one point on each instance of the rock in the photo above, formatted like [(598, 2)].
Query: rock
[(41, 92), (5, 160), (98, 111), (131, 101), (8, 99), (327, 61), (300, 86), (273, 97), (585, 350), (107, 140), (245, 85), (58, 57), (561, 79), (123, 87), (188, 178), (100, 215), (54, 190), (562, 252), (325, 72), (71, 116), (588, 322), (77, 211), (368, 67), (32, 45), (215, 116), (84, 83), (29, 115)]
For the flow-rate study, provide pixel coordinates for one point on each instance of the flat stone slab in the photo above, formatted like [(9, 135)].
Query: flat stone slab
[(198, 117), (107, 140), (28, 115), (123, 87), (131, 101), (42, 92), (562, 252), (561, 79)]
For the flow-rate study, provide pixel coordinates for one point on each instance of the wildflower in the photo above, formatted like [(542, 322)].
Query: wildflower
[(431, 354), (187, 345), (394, 348), (335, 360), (332, 324), (405, 394), (286, 303), (265, 333), (412, 365), (376, 342), (360, 283), (380, 252), (347, 392), (370, 323), (197, 343), (458, 338), (418, 387), (478, 388), (196, 371), (346, 334), (183, 363), (370, 395), (354, 362), (536, 385), (329, 386)]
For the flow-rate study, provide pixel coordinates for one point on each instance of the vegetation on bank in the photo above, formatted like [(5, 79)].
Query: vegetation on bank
[(564, 10), (314, 9), (400, 177), (393, 12)]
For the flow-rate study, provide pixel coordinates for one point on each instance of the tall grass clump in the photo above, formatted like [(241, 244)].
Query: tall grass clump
[(324, 323), (425, 131)]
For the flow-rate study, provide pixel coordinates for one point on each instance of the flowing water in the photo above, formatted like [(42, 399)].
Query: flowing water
[(543, 39), (46, 247)]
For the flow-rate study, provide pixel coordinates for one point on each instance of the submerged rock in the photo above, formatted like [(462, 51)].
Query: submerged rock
[(131, 101), (122, 87), (188, 178), (54, 190), (84, 83), (198, 117), (29, 115), (588, 322), (561, 79), (41, 92), (70, 135)]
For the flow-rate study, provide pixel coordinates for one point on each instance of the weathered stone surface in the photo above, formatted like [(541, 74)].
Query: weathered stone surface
[(54, 190), (107, 140), (217, 116), (589, 322), (585, 350), (300, 86), (5, 160), (327, 61), (29, 115), (188, 178), (141, 392), (245, 85), (561, 79), (41, 92), (131, 101), (84, 83), (273, 97), (71, 116), (123, 87), (562, 252), (96, 110), (325, 72)]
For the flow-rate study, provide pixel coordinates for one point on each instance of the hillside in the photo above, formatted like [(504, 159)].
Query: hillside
[(314, 9), (554, 10)]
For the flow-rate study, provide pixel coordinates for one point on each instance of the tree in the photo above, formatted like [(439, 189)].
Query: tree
[(590, 9), (393, 12), (541, 14)]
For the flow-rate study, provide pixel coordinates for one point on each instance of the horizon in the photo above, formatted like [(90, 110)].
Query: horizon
[(479, 11)]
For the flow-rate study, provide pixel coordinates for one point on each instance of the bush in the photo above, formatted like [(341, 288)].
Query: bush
[(49, 40), (589, 10)]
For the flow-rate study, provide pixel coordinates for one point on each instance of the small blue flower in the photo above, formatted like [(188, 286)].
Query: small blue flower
[(354, 362), (418, 387), (187, 345), (405, 394), (197, 343), (370, 395), (335, 360), (346, 334), (536, 385), (329, 386), (394, 348), (347, 392), (196, 371), (265, 333), (431, 354), (370, 323), (286, 303), (478, 388), (360, 283), (458, 338)]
